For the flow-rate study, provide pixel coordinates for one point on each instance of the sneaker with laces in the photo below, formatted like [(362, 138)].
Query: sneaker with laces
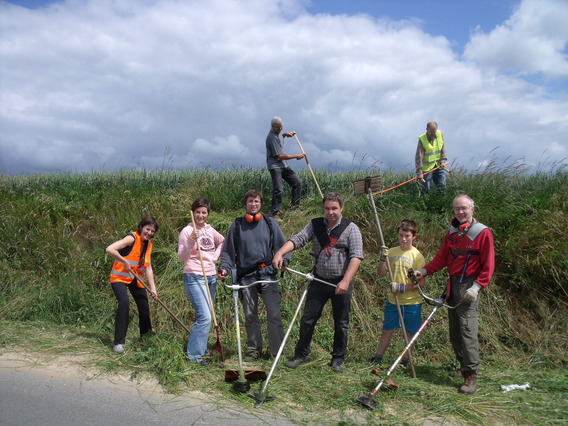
[(118, 349), (294, 362), (337, 365), (376, 359), (251, 356)]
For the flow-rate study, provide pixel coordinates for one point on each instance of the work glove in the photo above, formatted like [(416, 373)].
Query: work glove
[(471, 293), (383, 254), (420, 273), (397, 288)]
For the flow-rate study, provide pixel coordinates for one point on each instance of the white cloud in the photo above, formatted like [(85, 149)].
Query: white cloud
[(532, 41), (118, 84)]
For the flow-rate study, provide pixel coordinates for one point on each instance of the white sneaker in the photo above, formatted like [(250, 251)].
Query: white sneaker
[(119, 349)]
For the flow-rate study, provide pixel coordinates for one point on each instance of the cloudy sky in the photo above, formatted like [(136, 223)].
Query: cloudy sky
[(176, 84)]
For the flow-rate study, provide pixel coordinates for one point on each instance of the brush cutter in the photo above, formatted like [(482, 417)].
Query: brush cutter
[(217, 345), (261, 396), (410, 180), (242, 383), (141, 281), (309, 166), (367, 185), (369, 399)]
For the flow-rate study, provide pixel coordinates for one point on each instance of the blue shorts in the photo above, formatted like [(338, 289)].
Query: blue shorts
[(411, 315)]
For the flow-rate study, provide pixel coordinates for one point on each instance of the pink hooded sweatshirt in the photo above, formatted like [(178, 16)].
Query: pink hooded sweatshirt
[(211, 244)]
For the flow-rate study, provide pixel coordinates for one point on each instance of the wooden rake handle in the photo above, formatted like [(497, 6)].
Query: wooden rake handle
[(141, 281), (204, 273)]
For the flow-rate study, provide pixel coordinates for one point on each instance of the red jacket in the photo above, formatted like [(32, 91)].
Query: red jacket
[(466, 257)]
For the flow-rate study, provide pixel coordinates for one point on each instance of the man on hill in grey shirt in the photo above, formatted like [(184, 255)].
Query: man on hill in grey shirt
[(277, 164)]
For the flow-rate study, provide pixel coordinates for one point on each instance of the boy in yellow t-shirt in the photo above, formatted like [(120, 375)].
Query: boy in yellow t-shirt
[(400, 259)]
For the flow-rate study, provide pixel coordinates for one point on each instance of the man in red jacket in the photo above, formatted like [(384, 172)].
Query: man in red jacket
[(468, 253)]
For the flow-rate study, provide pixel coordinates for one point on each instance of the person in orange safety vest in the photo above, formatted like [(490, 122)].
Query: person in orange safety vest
[(132, 256)]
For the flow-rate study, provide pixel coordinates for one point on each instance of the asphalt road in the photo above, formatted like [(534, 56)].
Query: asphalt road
[(39, 395)]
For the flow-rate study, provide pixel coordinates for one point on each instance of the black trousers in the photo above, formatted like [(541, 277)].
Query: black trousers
[(277, 187), (317, 297), (122, 311)]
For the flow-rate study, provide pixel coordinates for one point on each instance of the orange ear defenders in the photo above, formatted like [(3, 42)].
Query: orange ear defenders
[(462, 227), (253, 218)]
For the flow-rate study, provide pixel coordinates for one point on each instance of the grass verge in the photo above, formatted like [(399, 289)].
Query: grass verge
[(313, 393)]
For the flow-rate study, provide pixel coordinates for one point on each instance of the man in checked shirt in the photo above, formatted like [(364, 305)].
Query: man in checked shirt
[(337, 246)]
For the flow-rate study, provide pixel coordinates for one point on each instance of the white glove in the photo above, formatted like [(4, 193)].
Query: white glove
[(383, 254), (397, 287), (471, 293)]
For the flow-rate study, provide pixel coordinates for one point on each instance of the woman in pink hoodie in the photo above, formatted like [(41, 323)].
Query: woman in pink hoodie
[(210, 242)]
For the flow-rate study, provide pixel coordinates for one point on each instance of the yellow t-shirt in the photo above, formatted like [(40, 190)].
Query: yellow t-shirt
[(400, 261)]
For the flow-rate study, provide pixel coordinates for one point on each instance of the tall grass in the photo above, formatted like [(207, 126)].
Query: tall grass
[(54, 269)]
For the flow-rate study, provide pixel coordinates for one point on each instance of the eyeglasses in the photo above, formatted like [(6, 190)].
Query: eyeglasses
[(461, 209)]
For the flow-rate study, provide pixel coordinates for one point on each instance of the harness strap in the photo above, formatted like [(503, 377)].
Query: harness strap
[(320, 231), (327, 241), (458, 252)]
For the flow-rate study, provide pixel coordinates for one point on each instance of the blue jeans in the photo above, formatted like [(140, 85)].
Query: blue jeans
[(438, 177), (197, 294), (277, 188)]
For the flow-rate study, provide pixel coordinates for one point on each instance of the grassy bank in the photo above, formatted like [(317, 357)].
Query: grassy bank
[(55, 293)]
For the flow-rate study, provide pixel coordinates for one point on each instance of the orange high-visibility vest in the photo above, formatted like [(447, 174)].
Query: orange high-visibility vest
[(119, 273)]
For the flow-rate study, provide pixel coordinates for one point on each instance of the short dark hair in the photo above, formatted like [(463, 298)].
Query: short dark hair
[(148, 220), (252, 193), (407, 225), (201, 202), (333, 196)]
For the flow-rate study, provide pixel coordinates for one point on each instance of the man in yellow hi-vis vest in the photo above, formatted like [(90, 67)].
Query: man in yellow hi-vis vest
[(430, 154)]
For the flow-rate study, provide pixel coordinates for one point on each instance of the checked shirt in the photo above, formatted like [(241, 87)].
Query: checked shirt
[(332, 264)]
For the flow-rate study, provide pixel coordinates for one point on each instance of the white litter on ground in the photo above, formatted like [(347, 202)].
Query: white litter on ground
[(508, 388)]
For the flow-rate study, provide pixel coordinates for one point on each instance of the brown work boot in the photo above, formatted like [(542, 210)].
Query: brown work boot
[(469, 386)]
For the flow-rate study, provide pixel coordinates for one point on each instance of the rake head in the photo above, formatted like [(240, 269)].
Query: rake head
[(362, 186), (219, 348)]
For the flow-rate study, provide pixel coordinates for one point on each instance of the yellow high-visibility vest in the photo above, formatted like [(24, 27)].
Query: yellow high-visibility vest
[(432, 151)]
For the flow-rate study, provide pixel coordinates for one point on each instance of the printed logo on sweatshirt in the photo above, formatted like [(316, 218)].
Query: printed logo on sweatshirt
[(206, 243)]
